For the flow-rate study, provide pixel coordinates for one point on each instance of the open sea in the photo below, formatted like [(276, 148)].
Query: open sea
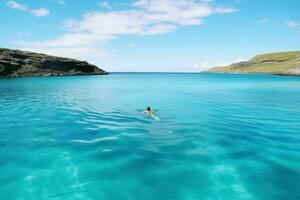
[(220, 136)]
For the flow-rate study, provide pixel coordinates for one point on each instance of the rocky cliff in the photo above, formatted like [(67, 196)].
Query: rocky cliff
[(282, 63), (17, 63)]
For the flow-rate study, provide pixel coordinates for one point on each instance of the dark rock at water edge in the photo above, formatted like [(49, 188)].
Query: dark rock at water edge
[(17, 63)]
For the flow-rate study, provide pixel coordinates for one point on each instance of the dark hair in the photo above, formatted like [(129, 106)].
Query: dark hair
[(148, 108)]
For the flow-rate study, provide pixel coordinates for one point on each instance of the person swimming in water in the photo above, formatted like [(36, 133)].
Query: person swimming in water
[(148, 111)]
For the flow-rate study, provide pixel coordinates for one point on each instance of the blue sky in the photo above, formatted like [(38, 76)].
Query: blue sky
[(152, 35)]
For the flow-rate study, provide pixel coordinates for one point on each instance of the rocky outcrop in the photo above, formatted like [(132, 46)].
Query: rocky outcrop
[(17, 63), (294, 71), (282, 63)]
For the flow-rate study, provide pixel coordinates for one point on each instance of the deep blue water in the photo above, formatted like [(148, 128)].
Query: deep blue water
[(85, 137)]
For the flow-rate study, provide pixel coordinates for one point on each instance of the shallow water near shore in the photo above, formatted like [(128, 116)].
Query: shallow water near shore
[(220, 136)]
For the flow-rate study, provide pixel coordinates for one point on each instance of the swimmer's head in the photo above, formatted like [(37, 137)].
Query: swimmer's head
[(148, 108)]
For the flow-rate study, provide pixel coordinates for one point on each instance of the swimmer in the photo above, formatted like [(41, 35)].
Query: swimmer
[(150, 113)]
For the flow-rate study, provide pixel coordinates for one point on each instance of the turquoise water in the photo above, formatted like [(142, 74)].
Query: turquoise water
[(85, 137)]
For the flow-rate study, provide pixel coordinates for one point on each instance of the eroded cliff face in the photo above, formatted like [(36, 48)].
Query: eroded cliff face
[(17, 63), (293, 71)]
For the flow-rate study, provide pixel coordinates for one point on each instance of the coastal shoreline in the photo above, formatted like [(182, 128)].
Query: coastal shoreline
[(280, 64), (16, 63)]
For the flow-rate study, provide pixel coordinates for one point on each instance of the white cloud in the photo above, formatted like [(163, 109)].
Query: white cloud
[(26, 34), (105, 5), (61, 2), (15, 5), (40, 12), (224, 9), (71, 41), (77, 45), (145, 17), (82, 53), (263, 21), (180, 12), (132, 45), (292, 24)]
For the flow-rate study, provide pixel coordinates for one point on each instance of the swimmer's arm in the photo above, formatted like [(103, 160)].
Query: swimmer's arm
[(155, 117), (147, 113)]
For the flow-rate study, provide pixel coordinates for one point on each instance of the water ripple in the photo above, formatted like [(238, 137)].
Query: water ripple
[(95, 140)]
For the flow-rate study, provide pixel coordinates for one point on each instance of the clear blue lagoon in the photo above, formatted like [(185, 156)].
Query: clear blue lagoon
[(85, 137)]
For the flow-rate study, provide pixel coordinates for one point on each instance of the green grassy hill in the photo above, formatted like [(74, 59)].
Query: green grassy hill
[(282, 63)]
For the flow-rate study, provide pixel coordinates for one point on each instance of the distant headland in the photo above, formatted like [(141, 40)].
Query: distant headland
[(17, 63), (281, 63)]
